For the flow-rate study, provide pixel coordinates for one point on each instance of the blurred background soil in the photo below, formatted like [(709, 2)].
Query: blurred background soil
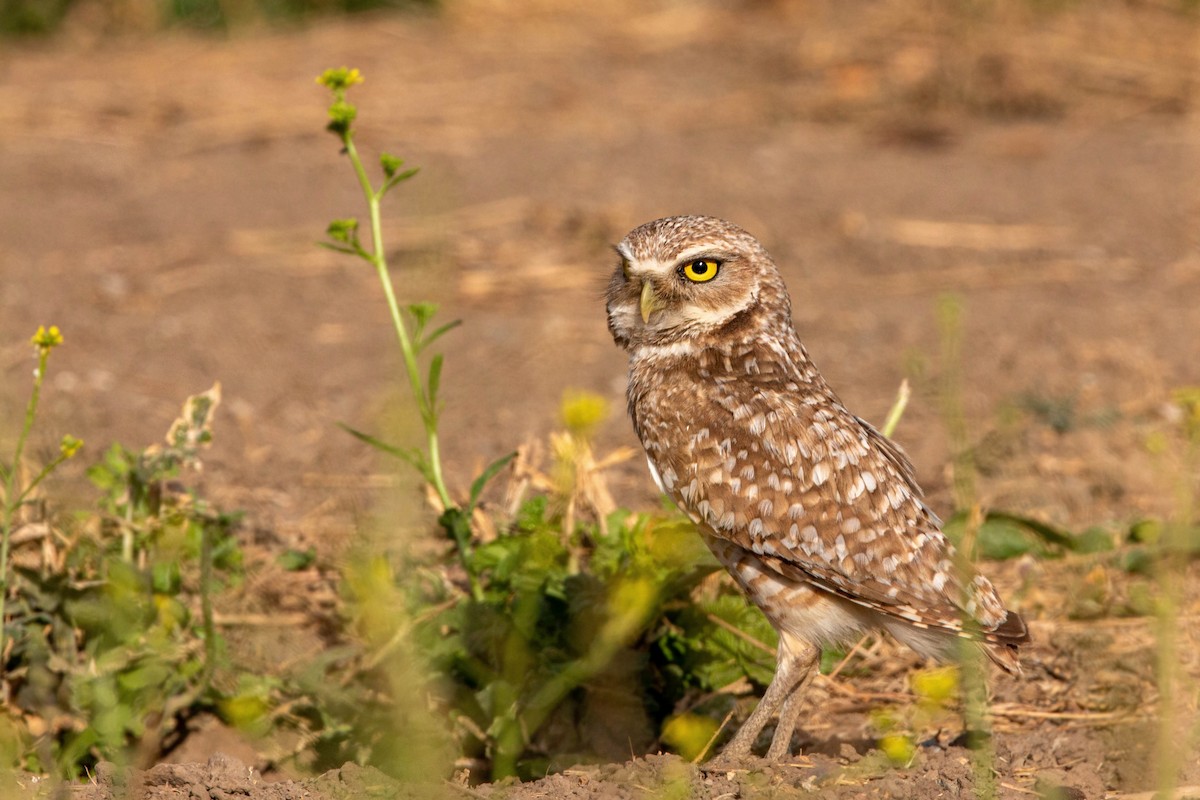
[(161, 194)]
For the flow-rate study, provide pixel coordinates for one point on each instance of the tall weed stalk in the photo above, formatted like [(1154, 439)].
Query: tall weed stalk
[(1175, 544), (415, 331), (16, 495), (973, 679)]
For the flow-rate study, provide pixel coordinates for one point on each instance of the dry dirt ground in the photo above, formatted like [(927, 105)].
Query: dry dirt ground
[(160, 196)]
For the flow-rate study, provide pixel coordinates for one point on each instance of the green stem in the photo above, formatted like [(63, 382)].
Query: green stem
[(1172, 571), (973, 675), (975, 714), (206, 608), (953, 407), (11, 502), (379, 261), (46, 470)]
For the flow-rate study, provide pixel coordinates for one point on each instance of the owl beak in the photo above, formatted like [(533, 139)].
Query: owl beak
[(649, 301)]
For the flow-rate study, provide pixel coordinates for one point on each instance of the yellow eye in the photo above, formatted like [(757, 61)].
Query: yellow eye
[(625, 268), (701, 270)]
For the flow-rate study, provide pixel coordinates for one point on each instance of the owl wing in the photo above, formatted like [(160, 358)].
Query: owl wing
[(819, 494)]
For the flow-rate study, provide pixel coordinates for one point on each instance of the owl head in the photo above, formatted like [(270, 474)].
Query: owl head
[(681, 277)]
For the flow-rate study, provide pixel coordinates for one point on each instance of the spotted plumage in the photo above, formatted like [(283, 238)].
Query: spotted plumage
[(817, 516)]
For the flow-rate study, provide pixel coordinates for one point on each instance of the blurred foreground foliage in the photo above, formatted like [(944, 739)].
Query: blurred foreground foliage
[(538, 632), (109, 641)]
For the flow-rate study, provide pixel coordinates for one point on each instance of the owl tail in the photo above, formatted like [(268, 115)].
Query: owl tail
[(1002, 644)]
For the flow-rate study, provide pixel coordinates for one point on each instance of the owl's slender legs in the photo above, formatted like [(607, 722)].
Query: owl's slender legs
[(806, 663), (795, 664)]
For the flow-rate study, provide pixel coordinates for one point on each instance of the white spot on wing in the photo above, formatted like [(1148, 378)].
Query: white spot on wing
[(654, 474)]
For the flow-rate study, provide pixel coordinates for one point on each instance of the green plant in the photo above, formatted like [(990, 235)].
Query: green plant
[(973, 676), (113, 639), (16, 495), (344, 238), (1178, 539), (163, 527), (572, 601), (413, 324)]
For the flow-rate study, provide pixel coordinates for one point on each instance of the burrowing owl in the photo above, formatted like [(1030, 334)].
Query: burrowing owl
[(816, 514)]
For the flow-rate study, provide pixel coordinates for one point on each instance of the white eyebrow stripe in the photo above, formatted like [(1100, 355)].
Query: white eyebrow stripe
[(651, 266), (703, 250)]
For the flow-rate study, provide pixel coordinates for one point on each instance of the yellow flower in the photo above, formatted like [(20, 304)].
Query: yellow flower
[(69, 446), (938, 685), (340, 79), (689, 734), (45, 339), (899, 748), (582, 412)]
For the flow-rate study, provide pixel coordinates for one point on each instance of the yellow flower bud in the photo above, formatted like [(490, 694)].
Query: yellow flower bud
[(45, 338)]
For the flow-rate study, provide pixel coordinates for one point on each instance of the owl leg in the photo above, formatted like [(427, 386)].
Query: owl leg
[(790, 673), (806, 662)]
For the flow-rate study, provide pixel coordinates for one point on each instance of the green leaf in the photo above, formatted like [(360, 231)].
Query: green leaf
[(295, 560), (165, 577), (343, 230), (531, 515), (391, 168), (434, 382), (437, 334), (717, 655), (399, 178), (148, 674), (1047, 533), (422, 313), (457, 524), (478, 485), (997, 539), (1093, 540), (1000, 540), (1137, 560), (339, 248), (1146, 531), (408, 455), (390, 163), (1003, 536)]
